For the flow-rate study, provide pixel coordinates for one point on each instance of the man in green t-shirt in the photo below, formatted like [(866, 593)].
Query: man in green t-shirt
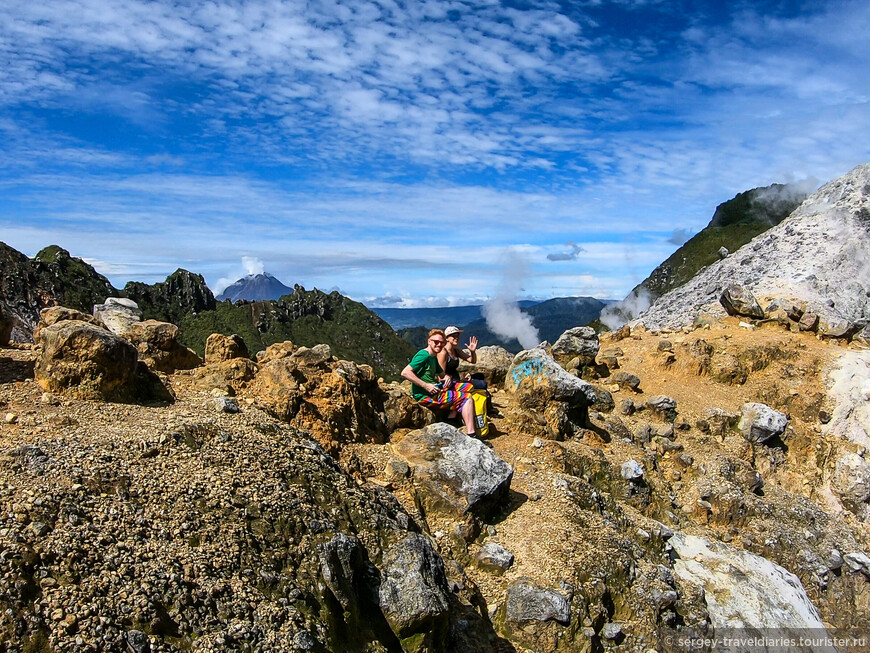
[(424, 373)]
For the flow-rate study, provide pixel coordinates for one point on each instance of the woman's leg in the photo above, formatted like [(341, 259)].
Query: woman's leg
[(468, 416)]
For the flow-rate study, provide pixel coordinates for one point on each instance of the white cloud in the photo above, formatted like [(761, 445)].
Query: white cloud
[(325, 137)]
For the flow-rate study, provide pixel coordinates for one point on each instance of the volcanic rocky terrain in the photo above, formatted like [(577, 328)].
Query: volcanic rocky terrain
[(653, 488)]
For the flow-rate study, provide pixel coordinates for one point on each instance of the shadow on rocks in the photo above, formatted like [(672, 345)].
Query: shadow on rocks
[(510, 504), (12, 370)]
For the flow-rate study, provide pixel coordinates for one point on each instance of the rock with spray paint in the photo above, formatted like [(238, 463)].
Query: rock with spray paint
[(551, 402)]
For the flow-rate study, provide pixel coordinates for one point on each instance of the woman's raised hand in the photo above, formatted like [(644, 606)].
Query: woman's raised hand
[(472, 343)]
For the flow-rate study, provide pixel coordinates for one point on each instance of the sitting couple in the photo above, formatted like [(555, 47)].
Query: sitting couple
[(434, 375)]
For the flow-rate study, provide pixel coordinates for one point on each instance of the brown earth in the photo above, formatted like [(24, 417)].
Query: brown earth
[(572, 523)]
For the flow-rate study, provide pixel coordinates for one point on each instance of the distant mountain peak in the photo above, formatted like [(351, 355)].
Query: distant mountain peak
[(256, 288)]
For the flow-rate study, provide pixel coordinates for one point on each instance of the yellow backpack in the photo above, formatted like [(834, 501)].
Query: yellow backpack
[(481, 421)]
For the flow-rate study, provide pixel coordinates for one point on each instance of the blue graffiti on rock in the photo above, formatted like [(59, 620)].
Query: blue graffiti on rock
[(533, 367)]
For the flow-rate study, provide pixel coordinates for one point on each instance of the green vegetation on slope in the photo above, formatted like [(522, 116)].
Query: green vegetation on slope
[(734, 224), (72, 282), (306, 318)]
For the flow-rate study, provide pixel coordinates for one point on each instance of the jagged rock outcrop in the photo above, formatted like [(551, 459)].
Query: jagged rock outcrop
[(815, 258), (220, 348), (182, 294), (552, 403), (51, 278), (336, 401)]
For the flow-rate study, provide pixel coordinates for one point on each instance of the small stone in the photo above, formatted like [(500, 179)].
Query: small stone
[(626, 380), (835, 560), (137, 642), (632, 471), (494, 557), (40, 529), (759, 422), (226, 405), (395, 469), (537, 443), (857, 561), (11, 418), (303, 640), (611, 631)]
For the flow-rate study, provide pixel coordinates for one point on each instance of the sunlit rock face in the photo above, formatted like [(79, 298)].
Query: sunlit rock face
[(818, 257)]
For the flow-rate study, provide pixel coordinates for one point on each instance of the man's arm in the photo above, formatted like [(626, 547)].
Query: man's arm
[(408, 373)]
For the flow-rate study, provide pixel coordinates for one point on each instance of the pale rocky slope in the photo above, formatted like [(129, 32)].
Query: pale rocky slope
[(818, 256)]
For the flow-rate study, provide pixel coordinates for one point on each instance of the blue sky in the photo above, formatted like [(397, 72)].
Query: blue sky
[(405, 153)]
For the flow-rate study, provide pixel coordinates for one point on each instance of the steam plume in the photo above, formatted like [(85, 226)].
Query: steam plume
[(502, 313), (253, 265), (615, 315)]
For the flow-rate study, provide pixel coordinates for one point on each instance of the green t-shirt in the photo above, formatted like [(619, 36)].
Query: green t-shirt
[(425, 365)]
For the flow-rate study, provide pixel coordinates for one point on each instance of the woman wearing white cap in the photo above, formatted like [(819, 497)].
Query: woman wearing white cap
[(449, 357)]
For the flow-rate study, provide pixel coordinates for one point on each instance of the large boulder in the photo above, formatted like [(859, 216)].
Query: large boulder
[(579, 342), (230, 377), (219, 348), (739, 300), (537, 618), (402, 411), (413, 594), (117, 314), (528, 602), (492, 361), (454, 474), (55, 314), (85, 361), (745, 592), (158, 346), (336, 401), (550, 402)]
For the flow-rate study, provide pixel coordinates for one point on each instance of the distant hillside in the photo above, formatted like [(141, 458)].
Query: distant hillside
[(255, 288), (52, 277), (816, 257), (404, 318), (551, 317), (183, 293), (306, 318), (734, 224)]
